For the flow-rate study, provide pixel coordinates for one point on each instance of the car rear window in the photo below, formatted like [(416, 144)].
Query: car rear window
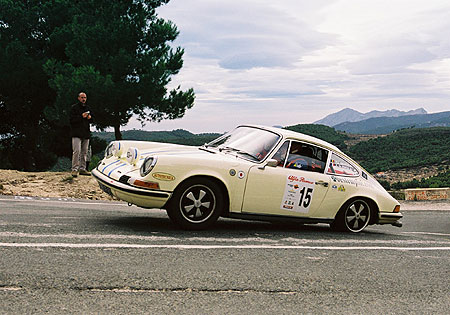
[(339, 166)]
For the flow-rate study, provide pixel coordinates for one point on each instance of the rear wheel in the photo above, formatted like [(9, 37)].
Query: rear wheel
[(196, 204), (353, 217)]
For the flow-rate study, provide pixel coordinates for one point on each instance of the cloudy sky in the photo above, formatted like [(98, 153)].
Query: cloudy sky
[(295, 61)]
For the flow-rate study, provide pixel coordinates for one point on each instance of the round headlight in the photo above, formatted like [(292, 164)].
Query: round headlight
[(117, 149), (133, 155), (148, 165), (109, 150)]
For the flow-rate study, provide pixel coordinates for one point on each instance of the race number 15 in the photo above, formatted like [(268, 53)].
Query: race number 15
[(305, 197)]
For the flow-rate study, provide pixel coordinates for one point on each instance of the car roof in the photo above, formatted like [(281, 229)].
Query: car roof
[(289, 134)]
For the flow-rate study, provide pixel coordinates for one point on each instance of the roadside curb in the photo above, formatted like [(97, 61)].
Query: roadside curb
[(424, 205)]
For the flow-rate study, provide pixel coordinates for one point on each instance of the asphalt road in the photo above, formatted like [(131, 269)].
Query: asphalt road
[(73, 256)]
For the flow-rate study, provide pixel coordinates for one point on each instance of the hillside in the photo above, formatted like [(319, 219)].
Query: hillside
[(384, 125), (410, 148), (178, 136), (323, 132)]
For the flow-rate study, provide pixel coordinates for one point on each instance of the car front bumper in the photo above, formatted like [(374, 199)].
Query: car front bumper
[(147, 198)]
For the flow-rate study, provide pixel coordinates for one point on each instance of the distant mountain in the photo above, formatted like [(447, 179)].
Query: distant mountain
[(384, 125), (351, 115)]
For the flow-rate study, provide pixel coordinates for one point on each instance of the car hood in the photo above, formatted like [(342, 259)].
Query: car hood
[(147, 148)]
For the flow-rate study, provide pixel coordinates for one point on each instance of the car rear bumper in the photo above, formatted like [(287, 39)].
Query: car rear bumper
[(390, 218)]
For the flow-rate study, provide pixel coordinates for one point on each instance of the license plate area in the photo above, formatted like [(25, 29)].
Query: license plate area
[(106, 189)]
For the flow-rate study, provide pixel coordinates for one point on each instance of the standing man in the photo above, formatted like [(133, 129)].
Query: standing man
[(80, 117)]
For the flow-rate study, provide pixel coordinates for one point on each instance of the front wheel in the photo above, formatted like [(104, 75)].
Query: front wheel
[(196, 204), (353, 217)]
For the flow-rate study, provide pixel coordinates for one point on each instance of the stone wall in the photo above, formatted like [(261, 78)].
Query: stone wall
[(427, 194)]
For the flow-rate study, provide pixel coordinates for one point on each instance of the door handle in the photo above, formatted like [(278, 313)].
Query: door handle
[(321, 182)]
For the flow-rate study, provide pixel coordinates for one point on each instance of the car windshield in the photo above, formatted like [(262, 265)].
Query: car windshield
[(247, 142)]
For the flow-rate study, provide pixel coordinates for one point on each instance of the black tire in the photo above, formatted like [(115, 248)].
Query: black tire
[(196, 204), (353, 217)]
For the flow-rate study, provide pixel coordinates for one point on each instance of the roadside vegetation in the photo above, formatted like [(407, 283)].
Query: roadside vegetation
[(438, 181), (121, 53), (323, 132), (178, 136), (404, 149)]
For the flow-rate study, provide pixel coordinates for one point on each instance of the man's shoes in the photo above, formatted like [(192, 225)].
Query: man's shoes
[(84, 172), (74, 174)]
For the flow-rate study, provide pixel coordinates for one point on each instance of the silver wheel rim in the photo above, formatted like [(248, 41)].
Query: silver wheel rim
[(197, 204), (357, 216)]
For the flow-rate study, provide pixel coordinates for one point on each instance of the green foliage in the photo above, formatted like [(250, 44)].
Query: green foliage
[(323, 132), (98, 145), (178, 136), (94, 162), (386, 185), (116, 51), (404, 149), (438, 181), (24, 92)]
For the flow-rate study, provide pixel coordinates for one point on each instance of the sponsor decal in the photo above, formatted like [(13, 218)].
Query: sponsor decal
[(341, 188), (344, 180), (298, 194), (232, 172), (334, 187), (294, 178), (241, 174), (163, 176), (364, 175)]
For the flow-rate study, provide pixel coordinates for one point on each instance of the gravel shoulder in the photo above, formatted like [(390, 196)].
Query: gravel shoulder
[(50, 184)]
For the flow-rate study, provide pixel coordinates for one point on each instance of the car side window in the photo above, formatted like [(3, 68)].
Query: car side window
[(339, 166), (280, 155), (307, 157)]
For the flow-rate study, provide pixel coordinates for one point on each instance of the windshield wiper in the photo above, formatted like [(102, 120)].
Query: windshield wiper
[(228, 149), (207, 149), (238, 152), (248, 154)]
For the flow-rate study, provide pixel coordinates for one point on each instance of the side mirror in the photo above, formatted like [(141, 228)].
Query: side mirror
[(270, 162)]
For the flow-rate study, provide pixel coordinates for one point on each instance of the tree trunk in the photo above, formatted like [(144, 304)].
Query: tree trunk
[(117, 132)]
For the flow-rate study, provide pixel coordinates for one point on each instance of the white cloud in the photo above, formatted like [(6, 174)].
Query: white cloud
[(295, 61)]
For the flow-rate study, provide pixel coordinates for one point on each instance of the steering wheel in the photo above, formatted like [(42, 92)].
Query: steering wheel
[(295, 162)]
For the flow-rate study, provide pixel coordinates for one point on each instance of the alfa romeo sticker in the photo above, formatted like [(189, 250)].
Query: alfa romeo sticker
[(298, 194)]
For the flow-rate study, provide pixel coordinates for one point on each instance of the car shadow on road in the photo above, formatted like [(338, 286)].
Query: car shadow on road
[(147, 225)]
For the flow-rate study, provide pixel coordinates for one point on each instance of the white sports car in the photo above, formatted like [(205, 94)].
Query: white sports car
[(252, 172)]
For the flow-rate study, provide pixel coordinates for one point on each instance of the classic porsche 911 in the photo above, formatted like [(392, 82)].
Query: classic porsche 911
[(252, 172)]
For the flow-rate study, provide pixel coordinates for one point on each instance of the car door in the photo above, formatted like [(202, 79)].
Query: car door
[(296, 187)]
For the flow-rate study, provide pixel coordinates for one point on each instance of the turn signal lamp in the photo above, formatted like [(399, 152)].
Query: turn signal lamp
[(397, 209), (144, 184)]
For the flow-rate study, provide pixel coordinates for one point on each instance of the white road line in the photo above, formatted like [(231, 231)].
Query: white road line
[(160, 238), (427, 233), (59, 200), (181, 246)]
